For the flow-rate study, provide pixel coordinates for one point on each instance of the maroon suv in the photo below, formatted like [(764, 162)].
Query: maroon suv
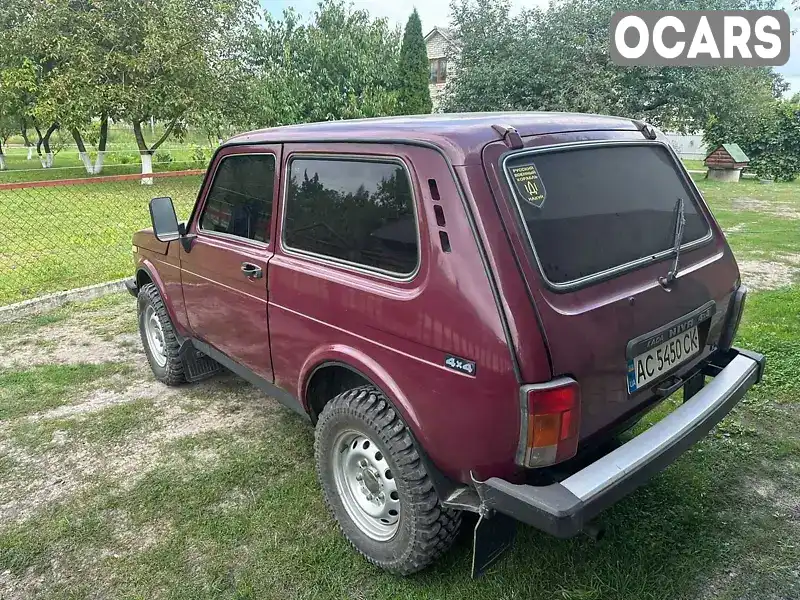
[(469, 308)]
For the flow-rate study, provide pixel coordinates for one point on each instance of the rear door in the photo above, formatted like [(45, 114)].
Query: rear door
[(224, 275), (596, 223)]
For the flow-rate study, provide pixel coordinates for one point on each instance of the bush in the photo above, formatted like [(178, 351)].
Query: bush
[(200, 155), (162, 156), (771, 140), (121, 158)]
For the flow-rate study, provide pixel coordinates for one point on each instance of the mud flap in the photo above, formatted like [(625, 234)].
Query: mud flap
[(196, 365), (492, 537)]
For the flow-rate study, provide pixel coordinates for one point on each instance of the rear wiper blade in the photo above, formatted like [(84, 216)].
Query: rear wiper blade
[(680, 221)]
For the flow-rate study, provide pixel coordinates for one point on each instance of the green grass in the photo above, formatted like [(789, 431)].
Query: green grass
[(107, 426), (693, 165), (238, 514), (760, 219), (48, 386), (65, 237), (67, 165), (122, 156)]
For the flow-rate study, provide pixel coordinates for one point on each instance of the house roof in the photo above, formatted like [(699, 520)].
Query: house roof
[(445, 32), (461, 135), (736, 153)]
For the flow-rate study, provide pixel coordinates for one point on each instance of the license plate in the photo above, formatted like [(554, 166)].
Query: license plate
[(656, 361)]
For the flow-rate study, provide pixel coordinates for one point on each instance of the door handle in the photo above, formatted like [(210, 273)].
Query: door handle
[(252, 271)]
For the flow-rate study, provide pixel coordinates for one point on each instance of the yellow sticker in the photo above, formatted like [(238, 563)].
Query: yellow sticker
[(529, 185)]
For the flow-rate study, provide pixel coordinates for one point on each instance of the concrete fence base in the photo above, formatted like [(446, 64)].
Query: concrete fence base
[(51, 301)]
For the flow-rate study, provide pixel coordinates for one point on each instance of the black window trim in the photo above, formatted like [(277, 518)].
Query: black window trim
[(581, 282), (332, 260), (212, 179)]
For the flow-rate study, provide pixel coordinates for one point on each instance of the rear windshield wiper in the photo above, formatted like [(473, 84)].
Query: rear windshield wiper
[(680, 221)]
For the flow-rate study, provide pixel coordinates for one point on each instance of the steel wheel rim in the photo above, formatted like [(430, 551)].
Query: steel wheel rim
[(155, 336), (366, 485)]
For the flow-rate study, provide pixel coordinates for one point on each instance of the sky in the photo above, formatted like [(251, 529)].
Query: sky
[(435, 12)]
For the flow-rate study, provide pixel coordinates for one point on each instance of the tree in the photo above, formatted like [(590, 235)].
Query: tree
[(159, 58), (414, 96), (25, 65), (771, 139), (342, 64), (558, 59)]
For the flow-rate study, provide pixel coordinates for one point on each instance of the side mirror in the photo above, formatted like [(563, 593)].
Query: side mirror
[(165, 221)]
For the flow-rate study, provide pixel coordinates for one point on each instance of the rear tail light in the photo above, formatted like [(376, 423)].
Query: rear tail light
[(550, 422), (733, 318)]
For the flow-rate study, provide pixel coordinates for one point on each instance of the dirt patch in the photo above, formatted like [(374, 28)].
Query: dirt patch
[(767, 275), (786, 210), (738, 228), (62, 345), (67, 466), (85, 336), (786, 501), (792, 259), (102, 399)]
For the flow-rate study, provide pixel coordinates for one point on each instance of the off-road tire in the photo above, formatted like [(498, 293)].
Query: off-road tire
[(172, 372), (426, 529)]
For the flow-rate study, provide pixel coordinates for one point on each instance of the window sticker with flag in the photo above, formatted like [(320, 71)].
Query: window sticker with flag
[(529, 185)]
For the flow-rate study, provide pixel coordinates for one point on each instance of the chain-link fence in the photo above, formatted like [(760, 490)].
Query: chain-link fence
[(59, 235)]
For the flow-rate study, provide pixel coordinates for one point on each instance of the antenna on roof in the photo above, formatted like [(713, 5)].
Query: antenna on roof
[(510, 136)]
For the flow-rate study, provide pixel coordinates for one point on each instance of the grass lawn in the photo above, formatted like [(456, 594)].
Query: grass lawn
[(118, 162), (122, 156), (693, 164), (58, 238), (114, 486)]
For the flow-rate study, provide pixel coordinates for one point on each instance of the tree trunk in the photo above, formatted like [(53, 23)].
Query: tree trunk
[(82, 154), (23, 128), (145, 153), (101, 144), (167, 131), (39, 141), (47, 162), (2, 158)]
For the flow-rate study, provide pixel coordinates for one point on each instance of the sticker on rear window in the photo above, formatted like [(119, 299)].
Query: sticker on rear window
[(529, 185)]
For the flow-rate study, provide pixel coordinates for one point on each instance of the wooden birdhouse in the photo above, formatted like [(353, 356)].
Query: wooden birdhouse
[(726, 162)]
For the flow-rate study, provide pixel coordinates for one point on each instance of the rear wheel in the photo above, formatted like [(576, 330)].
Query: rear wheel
[(376, 486), (158, 337)]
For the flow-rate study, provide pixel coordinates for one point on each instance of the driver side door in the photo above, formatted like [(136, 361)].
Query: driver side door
[(224, 274)]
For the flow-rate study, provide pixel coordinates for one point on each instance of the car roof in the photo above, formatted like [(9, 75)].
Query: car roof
[(461, 135)]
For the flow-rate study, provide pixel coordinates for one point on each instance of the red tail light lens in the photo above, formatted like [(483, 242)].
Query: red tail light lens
[(550, 422)]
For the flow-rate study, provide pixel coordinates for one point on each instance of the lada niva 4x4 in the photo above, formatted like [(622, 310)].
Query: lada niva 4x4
[(469, 309)]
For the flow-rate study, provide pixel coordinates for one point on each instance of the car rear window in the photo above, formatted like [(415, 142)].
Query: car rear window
[(591, 209)]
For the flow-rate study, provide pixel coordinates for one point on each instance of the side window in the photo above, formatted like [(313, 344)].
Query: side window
[(355, 210), (240, 199)]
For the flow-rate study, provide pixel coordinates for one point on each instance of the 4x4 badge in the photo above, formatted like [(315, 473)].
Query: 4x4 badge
[(529, 185), (462, 365)]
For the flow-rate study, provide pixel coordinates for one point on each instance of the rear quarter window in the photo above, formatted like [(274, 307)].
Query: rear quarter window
[(588, 210), (354, 210)]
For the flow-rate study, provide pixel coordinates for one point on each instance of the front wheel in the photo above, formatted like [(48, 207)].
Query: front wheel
[(376, 486), (158, 337)]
